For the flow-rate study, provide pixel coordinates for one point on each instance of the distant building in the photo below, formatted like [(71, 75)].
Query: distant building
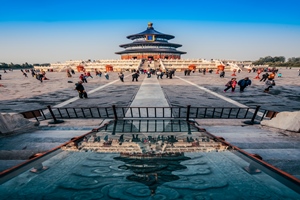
[(150, 44)]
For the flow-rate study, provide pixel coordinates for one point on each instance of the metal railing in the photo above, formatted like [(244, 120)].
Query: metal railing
[(39, 114), (188, 112)]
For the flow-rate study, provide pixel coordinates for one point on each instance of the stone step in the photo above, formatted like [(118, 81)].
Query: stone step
[(16, 154)]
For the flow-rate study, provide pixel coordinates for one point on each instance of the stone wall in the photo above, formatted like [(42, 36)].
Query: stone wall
[(285, 120)]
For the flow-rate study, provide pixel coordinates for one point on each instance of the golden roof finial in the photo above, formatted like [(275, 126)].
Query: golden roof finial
[(150, 24)]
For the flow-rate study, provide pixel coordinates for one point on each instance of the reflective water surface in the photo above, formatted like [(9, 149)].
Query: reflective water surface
[(123, 162)]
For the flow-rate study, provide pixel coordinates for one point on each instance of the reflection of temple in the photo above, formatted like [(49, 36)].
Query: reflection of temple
[(150, 44), (153, 172), (147, 146), (128, 138)]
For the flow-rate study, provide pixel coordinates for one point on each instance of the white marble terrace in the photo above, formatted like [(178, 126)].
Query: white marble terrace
[(123, 65)]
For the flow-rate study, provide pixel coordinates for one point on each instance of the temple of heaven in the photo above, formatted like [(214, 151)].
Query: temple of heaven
[(150, 44)]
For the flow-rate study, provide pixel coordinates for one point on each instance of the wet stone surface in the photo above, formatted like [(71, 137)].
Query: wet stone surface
[(82, 175)]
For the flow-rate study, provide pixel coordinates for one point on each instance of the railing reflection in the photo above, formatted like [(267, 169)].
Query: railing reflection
[(175, 125)]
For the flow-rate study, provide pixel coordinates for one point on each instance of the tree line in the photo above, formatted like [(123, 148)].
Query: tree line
[(20, 66), (278, 61)]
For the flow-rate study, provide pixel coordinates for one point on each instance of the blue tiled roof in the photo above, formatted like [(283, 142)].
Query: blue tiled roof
[(158, 43), (162, 45), (150, 31)]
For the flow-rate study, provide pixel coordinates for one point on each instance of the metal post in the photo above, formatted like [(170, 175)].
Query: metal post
[(55, 121), (188, 112), (253, 117), (35, 116), (115, 112), (51, 112)]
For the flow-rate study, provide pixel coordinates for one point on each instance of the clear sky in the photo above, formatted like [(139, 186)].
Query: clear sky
[(48, 31)]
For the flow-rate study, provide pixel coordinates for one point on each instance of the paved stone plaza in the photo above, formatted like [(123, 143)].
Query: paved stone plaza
[(23, 94)]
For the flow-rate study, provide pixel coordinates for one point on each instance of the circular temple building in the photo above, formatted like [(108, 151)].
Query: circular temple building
[(150, 44)]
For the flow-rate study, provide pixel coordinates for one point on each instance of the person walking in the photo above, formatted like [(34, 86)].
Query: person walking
[(185, 72), (121, 76), (83, 78), (279, 75), (81, 92), (158, 73), (222, 74), (135, 76), (272, 75), (32, 72), (231, 84), (161, 75), (243, 83), (171, 74), (148, 74), (264, 77), (167, 73), (88, 74), (269, 84), (69, 74), (39, 77), (106, 75)]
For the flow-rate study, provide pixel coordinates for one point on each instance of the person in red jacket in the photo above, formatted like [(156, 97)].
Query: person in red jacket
[(88, 74), (231, 84), (83, 78)]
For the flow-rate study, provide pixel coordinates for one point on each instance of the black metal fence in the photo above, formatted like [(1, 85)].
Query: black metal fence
[(188, 112)]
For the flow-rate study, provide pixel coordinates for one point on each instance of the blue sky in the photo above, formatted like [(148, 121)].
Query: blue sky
[(59, 30)]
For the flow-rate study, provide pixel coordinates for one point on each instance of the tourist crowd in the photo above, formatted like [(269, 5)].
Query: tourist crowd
[(267, 78)]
